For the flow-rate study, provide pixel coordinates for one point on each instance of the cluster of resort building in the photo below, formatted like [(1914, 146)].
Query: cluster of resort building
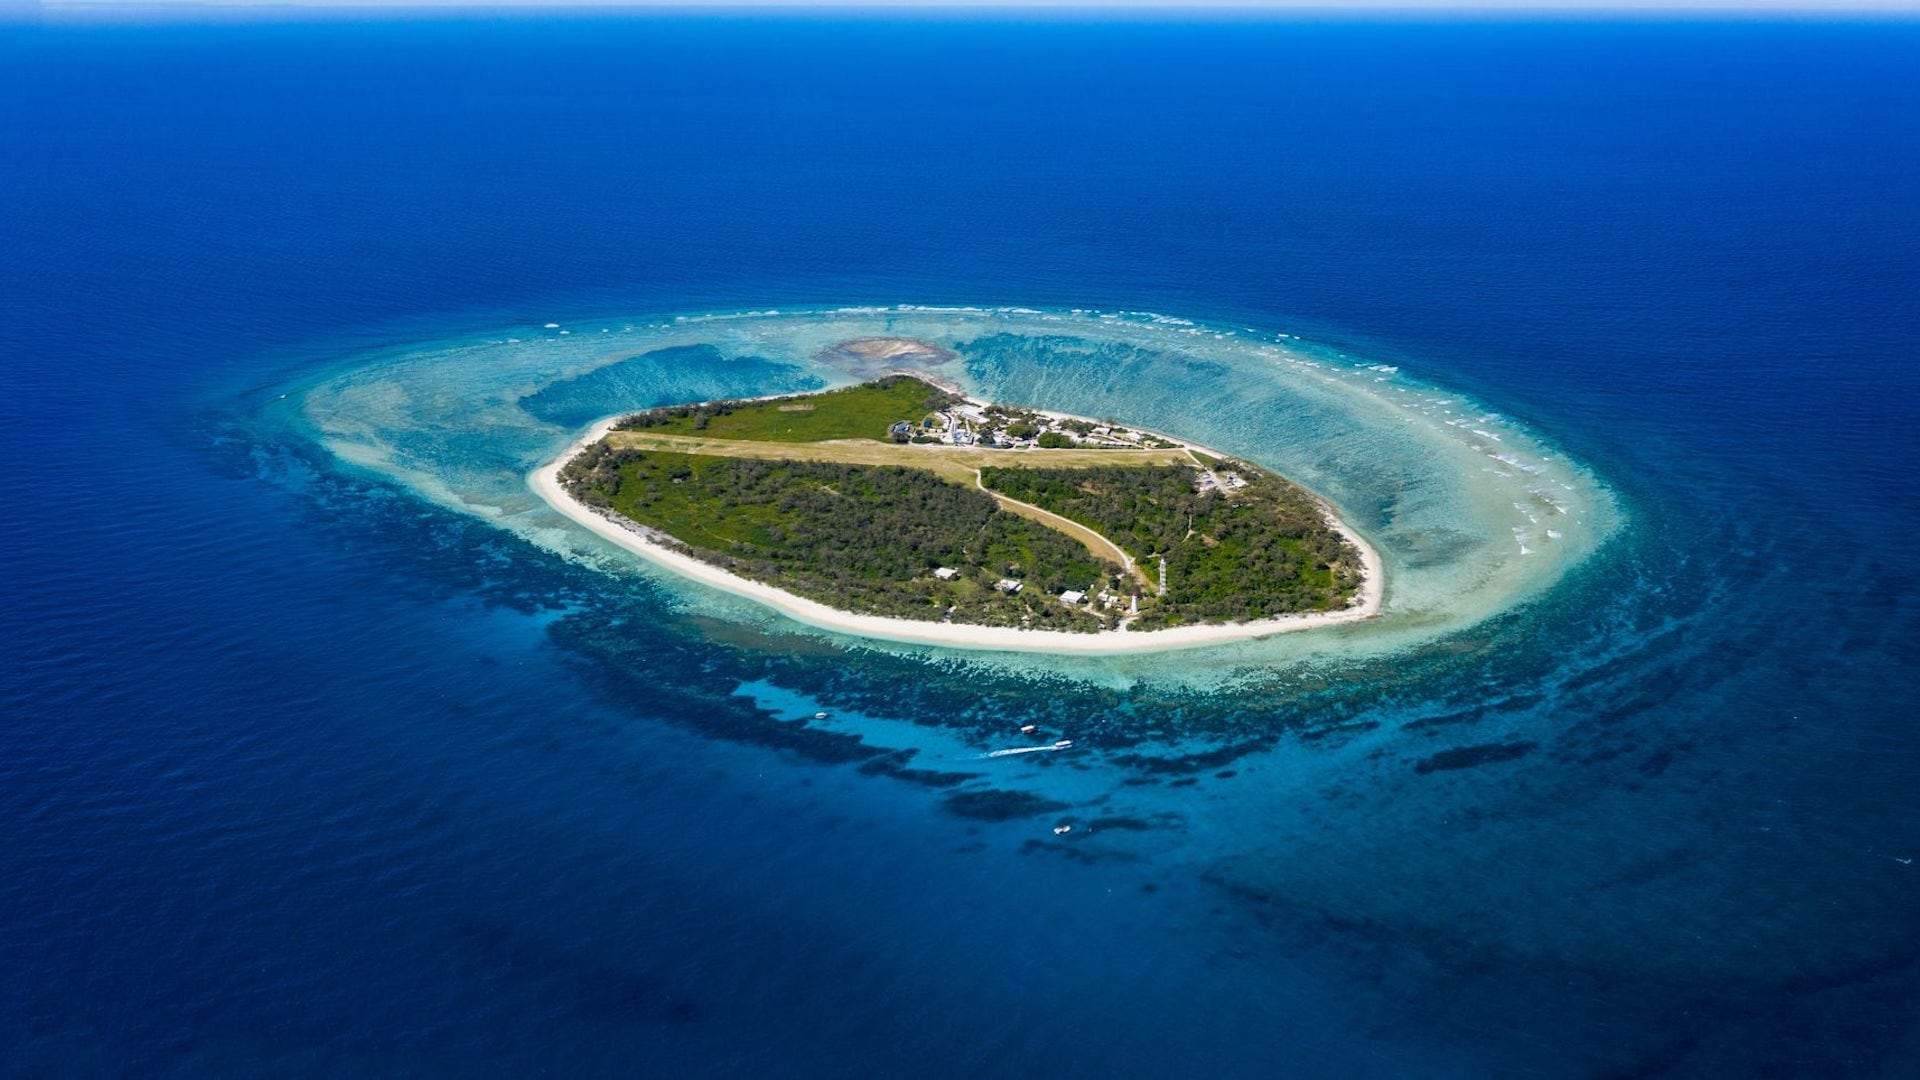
[(1070, 597), (1223, 482), (970, 423)]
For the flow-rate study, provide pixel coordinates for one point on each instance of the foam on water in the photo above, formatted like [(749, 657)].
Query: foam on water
[(1453, 496)]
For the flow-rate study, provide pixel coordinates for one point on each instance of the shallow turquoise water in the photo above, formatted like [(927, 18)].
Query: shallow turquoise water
[(1473, 514)]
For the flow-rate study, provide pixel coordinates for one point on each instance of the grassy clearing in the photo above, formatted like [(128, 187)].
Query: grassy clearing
[(856, 412)]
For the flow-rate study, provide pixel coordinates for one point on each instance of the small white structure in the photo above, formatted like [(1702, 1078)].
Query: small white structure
[(1007, 585), (1073, 596), (946, 573)]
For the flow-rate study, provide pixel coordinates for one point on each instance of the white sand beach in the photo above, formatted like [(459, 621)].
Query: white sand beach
[(631, 536)]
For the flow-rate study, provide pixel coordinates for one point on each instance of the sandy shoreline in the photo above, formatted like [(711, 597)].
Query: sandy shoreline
[(545, 481)]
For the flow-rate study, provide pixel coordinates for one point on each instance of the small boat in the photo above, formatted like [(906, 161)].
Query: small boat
[(1028, 729), (1013, 751), (819, 716), (1062, 829)]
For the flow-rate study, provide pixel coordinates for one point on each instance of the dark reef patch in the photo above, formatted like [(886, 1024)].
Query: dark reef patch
[(992, 804), (1075, 852), (1466, 757), (1352, 727), (894, 764), (1125, 823), (1192, 763), (668, 678), (1474, 715)]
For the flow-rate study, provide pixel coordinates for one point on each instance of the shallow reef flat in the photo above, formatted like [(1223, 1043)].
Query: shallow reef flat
[(1470, 512)]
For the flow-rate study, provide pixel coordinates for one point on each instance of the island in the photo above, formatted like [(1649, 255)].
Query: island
[(901, 508)]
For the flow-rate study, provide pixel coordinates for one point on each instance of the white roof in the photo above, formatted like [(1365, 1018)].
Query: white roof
[(1072, 596)]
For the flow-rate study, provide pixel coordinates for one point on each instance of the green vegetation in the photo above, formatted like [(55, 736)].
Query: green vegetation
[(1259, 551), (866, 411), (858, 537), (852, 498)]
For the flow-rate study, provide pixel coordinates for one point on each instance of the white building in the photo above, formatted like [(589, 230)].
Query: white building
[(1073, 596), (946, 573), (1007, 585)]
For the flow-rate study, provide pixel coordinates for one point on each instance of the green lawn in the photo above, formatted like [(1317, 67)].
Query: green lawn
[(856, 412)]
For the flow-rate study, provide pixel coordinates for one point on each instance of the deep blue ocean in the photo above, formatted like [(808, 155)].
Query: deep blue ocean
[(302, 774)]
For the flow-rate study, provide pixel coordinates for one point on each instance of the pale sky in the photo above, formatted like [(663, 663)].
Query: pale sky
[(1703, 6), (143, 10)]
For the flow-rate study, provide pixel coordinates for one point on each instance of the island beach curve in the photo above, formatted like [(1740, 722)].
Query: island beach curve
[(632, 536)]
